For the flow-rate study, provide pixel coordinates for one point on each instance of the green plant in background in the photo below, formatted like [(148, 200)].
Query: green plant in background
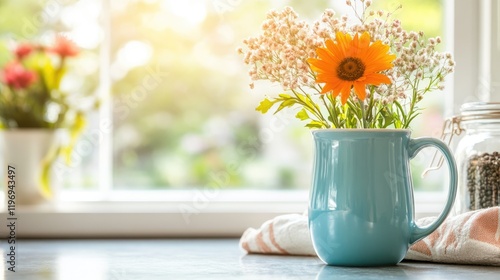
[(31, 95)]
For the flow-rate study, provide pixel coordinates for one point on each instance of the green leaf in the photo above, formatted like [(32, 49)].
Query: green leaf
[(58, 76), (286, 103), (48, 73), (265, 105), (47, 163), (315, 124), (301, 97), (302, 115), (75, 131), (307, 100), (387, 118), (284, 96)]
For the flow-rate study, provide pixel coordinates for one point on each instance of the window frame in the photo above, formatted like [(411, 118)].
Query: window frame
[(120, 216), (132, 214)]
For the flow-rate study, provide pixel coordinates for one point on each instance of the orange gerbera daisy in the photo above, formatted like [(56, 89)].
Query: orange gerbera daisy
[(348, 63)]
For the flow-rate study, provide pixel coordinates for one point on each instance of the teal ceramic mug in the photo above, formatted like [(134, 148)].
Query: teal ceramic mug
[(361, 210)]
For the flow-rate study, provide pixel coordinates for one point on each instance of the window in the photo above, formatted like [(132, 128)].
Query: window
[(195, 124), (182, 112)]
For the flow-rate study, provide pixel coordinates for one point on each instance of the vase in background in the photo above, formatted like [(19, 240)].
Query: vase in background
[(25, 150), (361, 209)]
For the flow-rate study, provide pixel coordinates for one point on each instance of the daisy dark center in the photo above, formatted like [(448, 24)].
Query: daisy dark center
[(350, 69)]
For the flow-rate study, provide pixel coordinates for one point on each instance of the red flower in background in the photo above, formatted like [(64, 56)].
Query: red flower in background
[(64, 47), (23, 50), (16, 76)]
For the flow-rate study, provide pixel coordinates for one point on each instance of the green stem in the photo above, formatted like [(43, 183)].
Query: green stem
[(330, 112), (363, 114)]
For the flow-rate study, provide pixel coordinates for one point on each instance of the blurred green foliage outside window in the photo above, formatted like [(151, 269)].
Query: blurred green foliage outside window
[(183, 113)]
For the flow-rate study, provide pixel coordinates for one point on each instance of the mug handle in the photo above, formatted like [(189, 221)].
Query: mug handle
[(414, 146)]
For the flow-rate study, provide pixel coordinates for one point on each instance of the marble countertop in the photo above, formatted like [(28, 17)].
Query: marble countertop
[(196, 259)]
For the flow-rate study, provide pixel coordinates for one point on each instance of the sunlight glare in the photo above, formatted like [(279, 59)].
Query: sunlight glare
[(81, 266), (192, 11), (87, 36), (134, 54), (82, 18)]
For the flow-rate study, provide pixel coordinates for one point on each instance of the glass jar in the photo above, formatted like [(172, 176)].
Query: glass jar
[(478, 156)]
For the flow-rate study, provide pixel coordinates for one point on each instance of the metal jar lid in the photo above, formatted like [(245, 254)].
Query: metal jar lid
[(479, 111)]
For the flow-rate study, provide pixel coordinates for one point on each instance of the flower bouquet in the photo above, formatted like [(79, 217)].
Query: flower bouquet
[(369, 74), (31, 96)]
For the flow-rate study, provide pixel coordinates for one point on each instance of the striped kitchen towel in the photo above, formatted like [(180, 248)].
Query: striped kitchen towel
[(469, 238)]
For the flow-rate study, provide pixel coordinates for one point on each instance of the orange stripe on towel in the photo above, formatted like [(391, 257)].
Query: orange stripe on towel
[(262, 245), (422, 248), (273, 239), (485, 226)]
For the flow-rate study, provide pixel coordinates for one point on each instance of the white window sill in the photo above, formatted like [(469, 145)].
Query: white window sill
[(168, 213)]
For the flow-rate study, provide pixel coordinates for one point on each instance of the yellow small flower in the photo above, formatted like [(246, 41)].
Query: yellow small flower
[(351, 63)]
